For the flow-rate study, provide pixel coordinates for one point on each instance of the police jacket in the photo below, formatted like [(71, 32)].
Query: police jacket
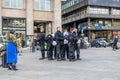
[(49, 38), (59, 36), (71, 38), (75, 37), (66, 37), (41, 38)]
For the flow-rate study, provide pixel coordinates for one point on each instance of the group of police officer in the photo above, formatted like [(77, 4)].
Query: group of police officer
[(60, 46)]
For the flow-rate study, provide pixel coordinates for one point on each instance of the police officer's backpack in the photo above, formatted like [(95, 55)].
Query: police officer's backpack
[(71, 37)]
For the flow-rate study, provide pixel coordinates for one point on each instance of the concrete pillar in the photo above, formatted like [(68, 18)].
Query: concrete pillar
[(56, 15), (75, 25), (88, 10), (89, 31), (112, 23), (48, 27), (111, 11), (29, 16), (0, 16)]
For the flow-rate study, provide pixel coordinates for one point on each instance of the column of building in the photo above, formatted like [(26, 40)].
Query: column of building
[(57, 15), (89, 31), (48, 27), (0, 17), (29, 16), (29, 21)]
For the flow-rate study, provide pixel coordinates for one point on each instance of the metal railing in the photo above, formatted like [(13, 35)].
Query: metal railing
[(78, 16)]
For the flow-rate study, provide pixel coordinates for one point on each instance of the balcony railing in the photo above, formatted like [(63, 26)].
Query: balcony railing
[(103, 28), (74, 7), (78, 16)]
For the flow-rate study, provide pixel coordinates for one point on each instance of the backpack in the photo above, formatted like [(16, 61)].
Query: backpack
[(71, 37)]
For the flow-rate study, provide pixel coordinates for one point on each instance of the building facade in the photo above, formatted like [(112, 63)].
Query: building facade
[(26, 17), (92, 18)]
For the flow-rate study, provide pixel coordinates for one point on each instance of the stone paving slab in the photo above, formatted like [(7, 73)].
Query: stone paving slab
[(96, 64)]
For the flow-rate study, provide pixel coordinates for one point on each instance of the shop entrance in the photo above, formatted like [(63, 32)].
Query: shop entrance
[(37, 27), (46, 25)]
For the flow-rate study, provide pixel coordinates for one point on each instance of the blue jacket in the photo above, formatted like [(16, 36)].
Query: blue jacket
[(11, 53)]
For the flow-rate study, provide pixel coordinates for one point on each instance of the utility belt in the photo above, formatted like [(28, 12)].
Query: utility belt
[(61, 42)]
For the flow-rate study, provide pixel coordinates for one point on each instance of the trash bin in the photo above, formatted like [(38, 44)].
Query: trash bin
[(3, 56)]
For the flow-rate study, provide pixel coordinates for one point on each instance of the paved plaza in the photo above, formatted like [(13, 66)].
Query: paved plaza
[(96, 64)]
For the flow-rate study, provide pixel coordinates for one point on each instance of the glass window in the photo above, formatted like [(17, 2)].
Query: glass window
[(116, 23), (42, 5), (13, 3), (11, 22), (116, 11), (37, 4), (94, 10), (20, 3), (6, 3)]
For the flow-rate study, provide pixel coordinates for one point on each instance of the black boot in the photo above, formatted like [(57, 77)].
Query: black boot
[(14, 68), (9, 68)]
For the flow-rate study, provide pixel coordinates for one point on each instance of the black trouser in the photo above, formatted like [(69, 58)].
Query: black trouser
[(71, 52), (59, 51), (42, 50), (50, 51), (55, 52), (114, 46), (65, 51), (12, 66), (77, 49)]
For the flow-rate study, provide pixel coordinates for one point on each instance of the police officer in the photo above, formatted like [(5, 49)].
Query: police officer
[(49, 40), (54, 45), (77, 49), (71, 43), (60, 41), (65, 46), (41, 39)]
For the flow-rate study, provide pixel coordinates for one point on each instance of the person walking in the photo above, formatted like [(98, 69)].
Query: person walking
[(115, 43)]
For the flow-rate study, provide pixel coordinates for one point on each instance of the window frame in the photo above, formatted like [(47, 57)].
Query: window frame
[(41, 7), (16, 4)]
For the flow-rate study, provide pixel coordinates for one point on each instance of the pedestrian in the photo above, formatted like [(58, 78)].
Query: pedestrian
[(34, 44), (11, 51), (19, 46), (30, 44), (41, 40), (23, 43), (115, 41)]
